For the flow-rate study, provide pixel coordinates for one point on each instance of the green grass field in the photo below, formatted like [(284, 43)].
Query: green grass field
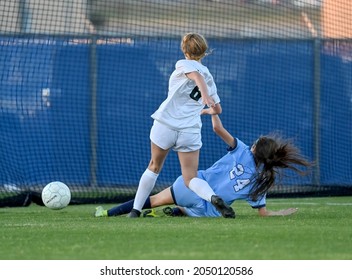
[(321, 230)]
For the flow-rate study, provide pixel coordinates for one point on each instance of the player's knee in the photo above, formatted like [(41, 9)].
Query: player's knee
[(187, 181)]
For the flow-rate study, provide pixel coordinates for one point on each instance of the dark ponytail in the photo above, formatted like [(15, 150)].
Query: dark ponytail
[(272, 154)]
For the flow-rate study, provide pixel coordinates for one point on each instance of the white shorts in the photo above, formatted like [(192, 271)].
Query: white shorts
[(180, 141)]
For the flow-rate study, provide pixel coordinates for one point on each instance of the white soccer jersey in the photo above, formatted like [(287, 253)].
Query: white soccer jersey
[(181, 110)]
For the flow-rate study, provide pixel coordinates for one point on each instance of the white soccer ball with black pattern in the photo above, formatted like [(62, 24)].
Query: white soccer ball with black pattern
[(56, 195)]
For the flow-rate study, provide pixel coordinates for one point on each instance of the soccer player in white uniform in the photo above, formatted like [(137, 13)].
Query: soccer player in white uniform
[(177, 125), (243, 173)]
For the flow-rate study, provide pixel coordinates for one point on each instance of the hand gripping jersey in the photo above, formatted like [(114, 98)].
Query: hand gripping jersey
[(181, 110), (232, 177)]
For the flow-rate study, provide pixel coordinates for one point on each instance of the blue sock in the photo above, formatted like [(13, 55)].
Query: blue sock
[(126, 208)]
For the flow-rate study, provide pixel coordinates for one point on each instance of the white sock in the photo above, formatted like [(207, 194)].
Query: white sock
[(146, 185), (201, 188)]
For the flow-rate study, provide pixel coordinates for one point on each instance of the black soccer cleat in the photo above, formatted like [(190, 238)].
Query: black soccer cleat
[(173, 212), (134, 214), (168, 211), (225, 210)]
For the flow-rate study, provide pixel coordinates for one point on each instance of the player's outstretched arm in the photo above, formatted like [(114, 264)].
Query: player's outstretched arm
[(263, 212), (220, 130), (200, 82)]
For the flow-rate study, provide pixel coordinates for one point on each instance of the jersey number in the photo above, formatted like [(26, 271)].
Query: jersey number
[(238, 170), (195, 94), (240, 184)]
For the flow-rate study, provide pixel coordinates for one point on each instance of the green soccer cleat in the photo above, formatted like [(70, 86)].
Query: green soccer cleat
[(149, 213), (100, 212)]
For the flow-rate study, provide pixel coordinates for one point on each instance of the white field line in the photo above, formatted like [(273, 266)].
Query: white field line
[(25, 225), (313, 203)]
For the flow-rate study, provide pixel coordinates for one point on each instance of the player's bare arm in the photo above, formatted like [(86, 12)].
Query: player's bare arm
[(263, 212), (199, 80), (220, 130)]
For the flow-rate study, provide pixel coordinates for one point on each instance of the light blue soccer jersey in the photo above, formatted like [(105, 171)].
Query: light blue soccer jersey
[(231, 178)]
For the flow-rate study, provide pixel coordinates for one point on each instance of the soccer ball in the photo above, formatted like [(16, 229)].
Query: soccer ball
[(56, 195)]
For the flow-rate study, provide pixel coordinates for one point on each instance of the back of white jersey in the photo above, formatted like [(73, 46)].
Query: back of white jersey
[(181, 110)]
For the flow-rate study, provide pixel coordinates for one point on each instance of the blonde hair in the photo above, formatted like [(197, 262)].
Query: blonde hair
[(194, 46)]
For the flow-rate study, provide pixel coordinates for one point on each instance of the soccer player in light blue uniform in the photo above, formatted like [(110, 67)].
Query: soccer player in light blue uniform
[(243, 173), (232, 179)]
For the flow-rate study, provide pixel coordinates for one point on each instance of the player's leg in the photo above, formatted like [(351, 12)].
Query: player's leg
[(188, 147), (162, 139), (189, 162), (148, 179), (162, 198), (189, 166), (188, 202), (121, 209)]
